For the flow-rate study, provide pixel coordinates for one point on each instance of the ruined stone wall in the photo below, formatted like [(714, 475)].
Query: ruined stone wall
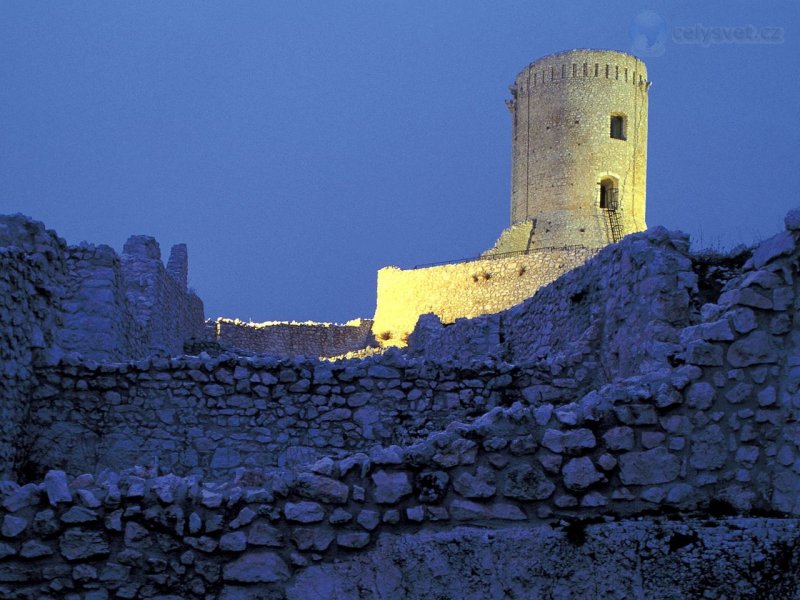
[(617, 315), (561, 111), (464, 290), (702, 424), (32, 272), (193, 415), (294, 339), (97, 319), (163, 306), (57, 299), (103, 306), (712, 434)]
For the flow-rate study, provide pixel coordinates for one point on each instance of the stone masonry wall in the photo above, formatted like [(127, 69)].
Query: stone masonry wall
[(57, 299), (97, 319), (617, 315), (706, 425), (31, 282), (294, 339), (203, 415), (162, 305), (464, 290)]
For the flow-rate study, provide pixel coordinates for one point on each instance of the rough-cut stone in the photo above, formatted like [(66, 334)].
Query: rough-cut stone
[(390, 487), (708, 449), (619, 438), (35, 549), (80, 544), (27, 495), (56, 487), (649, 467), (312, 538), (323, 489), (756, 348), (472, 486), (700, 395), (777, 245), (304, 512), (580, 474), (13, 526), (257, 566), (526, 482), (368, 519), (263, 534), (235, 541), (79, 514)]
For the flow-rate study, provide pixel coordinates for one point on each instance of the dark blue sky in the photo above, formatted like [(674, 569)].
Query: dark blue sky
[(299, 146)]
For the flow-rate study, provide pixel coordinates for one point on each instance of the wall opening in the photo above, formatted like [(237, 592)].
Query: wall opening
[(609, 194), (618, 127)]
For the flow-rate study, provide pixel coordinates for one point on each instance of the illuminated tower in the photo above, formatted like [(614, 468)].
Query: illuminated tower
[(579, 150)]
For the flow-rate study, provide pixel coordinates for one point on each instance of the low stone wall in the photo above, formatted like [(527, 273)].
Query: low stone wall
[(293, 339), (57, 299), (670, 441), (462, 290), (704, 422), (203, 415)]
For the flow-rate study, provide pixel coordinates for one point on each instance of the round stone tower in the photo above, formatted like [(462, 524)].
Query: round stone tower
[(579, 153)]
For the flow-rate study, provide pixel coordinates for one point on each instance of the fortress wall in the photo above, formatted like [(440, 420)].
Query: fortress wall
[(96, 317), (715, 432), (32, 272), (712, 431), (213, 416), (468, 289), (617, 315), (162, 305), (294, 339)]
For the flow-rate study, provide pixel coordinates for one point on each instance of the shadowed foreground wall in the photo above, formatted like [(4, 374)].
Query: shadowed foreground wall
[(57, 299), (699, 418)]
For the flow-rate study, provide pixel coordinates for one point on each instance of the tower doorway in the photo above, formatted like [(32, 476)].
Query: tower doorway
[(609, 194)]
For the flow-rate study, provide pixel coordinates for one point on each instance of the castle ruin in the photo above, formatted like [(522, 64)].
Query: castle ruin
[(578, 182), (629, 431)]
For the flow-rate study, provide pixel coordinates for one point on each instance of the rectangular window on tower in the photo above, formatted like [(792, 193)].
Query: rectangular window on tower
[(618, 127)]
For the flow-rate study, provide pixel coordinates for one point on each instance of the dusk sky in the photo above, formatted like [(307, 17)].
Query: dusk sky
[(297, 147)]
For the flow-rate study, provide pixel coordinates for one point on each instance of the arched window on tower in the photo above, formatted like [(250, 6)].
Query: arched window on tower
[(609, 194), (618, 127)]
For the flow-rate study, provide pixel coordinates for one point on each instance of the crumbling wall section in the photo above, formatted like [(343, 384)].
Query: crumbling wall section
[(620, 312), (211, 416), (163, 307), (32, 273), (97, 319)]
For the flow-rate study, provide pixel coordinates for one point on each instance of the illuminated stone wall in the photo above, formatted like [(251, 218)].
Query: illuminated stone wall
[(293, 339), (561, 110), (467, 289)]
